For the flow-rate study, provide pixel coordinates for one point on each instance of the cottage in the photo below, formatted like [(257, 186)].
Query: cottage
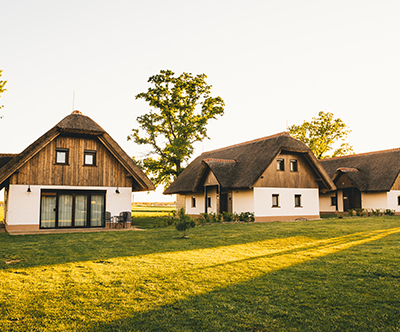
[(275, 177), (68, 178), (367, 180)]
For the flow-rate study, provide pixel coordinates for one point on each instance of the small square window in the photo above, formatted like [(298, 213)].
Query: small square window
[(293, 165), (209, 201), (297, 200), (280, 164), (275, 200), (333, 201), (193, 202), (62, 156), (90, 158)]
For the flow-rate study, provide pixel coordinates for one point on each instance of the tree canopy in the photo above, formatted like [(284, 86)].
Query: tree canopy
[(321, 134), (2, 84), (180, 110)]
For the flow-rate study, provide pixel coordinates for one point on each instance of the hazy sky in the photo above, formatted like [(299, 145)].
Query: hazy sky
[(273, 62)]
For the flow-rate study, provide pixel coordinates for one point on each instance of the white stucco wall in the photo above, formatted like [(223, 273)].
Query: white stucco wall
[(243, 201), (325, 202), (24, 208), (263, 202), (392, 200), (212, 193), (375, 200), (200, 205)]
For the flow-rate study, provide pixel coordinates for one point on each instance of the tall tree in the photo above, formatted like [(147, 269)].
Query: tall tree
[(2, 84), (181, 109), (321, 134)]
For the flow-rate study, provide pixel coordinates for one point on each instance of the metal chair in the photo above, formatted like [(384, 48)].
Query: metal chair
[(123, 218)]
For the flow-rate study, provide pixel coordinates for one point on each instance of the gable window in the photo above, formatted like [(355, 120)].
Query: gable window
[(293, 165), (275, 200), (209, 201), (333, 201), (193, 202), (280, 164), (297, 200), (90, 158), (62, 156)]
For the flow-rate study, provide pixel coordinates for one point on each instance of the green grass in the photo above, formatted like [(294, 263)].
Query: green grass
[(327, 275), (146, 216)]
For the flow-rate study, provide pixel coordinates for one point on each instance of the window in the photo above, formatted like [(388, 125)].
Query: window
[(209, 201), (297, 200), (293, 165), (333, 201), (69, 209), (90, 158), (193, 202), (275, 200), (62, 156), (398, 200), (280, 165)]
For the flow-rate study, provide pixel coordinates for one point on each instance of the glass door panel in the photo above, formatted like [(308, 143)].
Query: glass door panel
[(80, 210), (48, 212), (96, 211), (65, 210)]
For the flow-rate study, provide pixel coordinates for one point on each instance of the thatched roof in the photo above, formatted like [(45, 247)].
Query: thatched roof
[(373, 171), (75, 123), (241, 165)]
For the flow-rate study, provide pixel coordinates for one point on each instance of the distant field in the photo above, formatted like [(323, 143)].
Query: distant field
[(139, 210)]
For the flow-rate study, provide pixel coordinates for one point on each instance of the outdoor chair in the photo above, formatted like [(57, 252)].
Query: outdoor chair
[(123, 218)]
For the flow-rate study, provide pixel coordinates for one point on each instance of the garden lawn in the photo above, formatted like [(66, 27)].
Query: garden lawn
[(326, 275)]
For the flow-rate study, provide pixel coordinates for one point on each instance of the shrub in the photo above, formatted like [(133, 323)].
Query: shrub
[(206, 218), (228, 216), (389, 212), (183, 222), (376, 212), (360, 212), (246, 217), (351, 212)]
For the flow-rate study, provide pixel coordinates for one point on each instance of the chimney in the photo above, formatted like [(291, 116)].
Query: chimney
[(76, 112)]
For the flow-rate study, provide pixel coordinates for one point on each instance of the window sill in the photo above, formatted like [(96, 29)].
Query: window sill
[(276, 207)]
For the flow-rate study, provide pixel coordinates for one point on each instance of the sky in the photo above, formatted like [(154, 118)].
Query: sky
[(275, 63)]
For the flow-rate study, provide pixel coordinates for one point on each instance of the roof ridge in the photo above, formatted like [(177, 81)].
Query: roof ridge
[(283, 133), (220, 160), (8, 154), (362, 154)]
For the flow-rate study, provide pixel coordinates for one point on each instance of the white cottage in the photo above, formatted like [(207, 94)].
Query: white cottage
[(275, 177), (68, 178), (368, 180)]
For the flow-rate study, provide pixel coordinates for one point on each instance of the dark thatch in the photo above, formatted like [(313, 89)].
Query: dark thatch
[(373, 171), (75, 123), (240, 166)]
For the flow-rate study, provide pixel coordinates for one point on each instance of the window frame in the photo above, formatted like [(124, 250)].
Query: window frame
[(297, 201), (193, 202), (88, 193), (275, 197), (209, 202), (398, 200), (62, 150), (89, 153), (333, 201), (294, 165), (280, 164)]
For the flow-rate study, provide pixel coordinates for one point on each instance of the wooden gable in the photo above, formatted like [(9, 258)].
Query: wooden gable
[(304, 177), (42, 169), (343, 181)]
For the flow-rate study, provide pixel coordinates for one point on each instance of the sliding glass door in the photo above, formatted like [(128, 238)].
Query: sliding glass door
[(66, 209)]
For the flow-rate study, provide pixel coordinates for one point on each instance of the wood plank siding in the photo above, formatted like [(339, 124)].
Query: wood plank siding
[(396, 185), (302, 178), (42, 169)]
